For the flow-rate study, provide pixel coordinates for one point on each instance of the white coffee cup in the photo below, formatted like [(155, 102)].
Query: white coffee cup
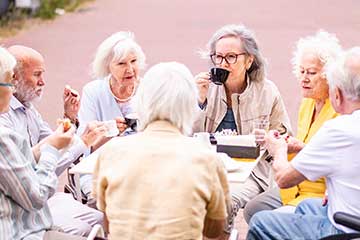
[(112, 129), (203, 137)]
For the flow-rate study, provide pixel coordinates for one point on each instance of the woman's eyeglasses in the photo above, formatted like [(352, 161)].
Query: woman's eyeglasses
[(229, 58), (9, 85)]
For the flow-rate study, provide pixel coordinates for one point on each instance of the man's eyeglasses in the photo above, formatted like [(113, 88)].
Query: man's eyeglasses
[(229, 58), (9, 85)]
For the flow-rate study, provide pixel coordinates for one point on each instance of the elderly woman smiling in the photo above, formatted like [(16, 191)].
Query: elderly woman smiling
[(310, 57), (160, 183)]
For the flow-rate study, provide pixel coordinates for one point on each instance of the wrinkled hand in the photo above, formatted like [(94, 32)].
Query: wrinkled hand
[(93, 132), (260, 136), (121, 124), (71, 100), (275, 143), (60, 139), (294, 145), (202, 81)]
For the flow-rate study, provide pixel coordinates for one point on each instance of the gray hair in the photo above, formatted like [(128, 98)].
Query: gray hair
[(7, 63), (167, 92), (323, 44), (247, 38), (116, 47), (344, 73)]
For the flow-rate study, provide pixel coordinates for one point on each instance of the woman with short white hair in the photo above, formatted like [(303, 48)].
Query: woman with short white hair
[(116, 70), (160, 183)]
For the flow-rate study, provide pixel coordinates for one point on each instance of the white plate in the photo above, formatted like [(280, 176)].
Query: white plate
[(230, 164)]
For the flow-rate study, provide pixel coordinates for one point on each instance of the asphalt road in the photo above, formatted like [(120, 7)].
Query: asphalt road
[(176, 30)]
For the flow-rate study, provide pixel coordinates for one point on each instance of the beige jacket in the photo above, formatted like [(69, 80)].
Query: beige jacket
[(260, 100), (159, 184)]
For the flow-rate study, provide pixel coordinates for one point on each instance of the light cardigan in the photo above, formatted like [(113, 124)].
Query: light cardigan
[(306, 130), (260, 100), (98, 103)]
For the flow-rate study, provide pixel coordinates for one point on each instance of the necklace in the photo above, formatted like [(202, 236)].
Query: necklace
[(122, 99)]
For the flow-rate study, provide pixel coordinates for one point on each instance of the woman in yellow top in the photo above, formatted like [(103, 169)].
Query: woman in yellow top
[(310, 57)]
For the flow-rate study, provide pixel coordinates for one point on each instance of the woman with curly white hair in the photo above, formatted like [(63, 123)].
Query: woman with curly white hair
[(311, 55)]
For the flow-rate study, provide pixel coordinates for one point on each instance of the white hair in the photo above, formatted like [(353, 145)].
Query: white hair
[(167, 92), (344, 73), (7, 63), (116, 47), (323, 45), (249, 43)]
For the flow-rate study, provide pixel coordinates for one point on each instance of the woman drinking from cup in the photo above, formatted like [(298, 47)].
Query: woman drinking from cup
[(245, 96)]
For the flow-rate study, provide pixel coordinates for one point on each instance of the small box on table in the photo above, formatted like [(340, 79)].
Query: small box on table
[(239, 146)]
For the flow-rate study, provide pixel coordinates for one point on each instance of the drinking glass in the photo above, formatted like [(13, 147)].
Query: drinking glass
[(260, 128)]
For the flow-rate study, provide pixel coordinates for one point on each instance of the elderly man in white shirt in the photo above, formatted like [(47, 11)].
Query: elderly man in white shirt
[(332, 153), (69, 214)]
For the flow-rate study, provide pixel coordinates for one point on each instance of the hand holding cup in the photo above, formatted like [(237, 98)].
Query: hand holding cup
[(260, 128), (202, 81), (218, 75)]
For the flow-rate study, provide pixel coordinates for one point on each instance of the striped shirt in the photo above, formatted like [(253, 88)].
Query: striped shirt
[(25, 187), (27, 121)]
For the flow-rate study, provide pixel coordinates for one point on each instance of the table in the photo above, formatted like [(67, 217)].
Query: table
[(243, 168), (240, 173)]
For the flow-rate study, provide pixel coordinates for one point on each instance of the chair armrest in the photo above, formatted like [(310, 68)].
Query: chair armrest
[(347, 220), (97, 232)]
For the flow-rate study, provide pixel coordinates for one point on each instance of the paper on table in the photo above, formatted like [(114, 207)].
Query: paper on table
[(238, 140), (244, 170), (230, 164)]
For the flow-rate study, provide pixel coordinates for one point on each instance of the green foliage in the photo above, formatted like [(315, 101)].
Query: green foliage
[(47, 7), (14, 18)]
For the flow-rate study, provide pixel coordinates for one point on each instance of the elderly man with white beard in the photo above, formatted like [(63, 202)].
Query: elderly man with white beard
[(68, 214)]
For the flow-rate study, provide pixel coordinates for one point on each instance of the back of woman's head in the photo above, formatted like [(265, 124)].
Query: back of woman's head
[(116, 47), (7, 63), (323, 45), (250, 46), (167, 92)]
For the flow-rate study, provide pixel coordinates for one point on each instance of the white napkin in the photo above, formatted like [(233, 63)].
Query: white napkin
[(238, 140)]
